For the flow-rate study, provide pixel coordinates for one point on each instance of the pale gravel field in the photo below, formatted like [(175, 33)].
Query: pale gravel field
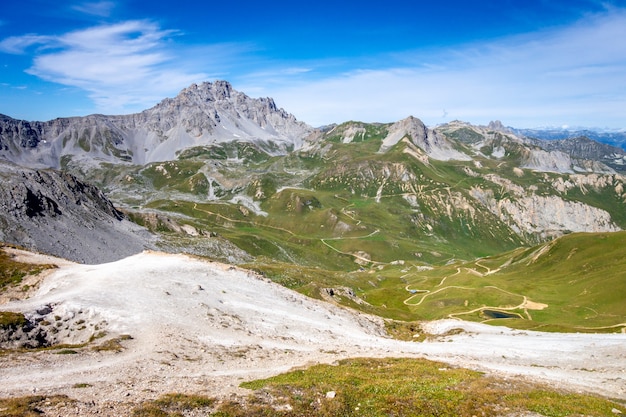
[(203, 327)]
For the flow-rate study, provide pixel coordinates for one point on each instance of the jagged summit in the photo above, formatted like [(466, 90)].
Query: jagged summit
[(498, 126)]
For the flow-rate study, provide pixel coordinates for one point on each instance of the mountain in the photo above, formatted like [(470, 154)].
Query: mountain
[(200, 115), (56, 213), (613, 137), (216, 173), (577, 154)]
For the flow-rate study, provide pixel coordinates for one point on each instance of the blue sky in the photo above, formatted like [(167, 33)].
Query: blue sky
[(528, 63)]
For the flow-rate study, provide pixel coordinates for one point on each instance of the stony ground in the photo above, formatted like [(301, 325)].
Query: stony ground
[(172, 323)]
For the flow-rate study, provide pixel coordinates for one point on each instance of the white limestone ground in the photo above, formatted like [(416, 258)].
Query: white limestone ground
[(201, 327)]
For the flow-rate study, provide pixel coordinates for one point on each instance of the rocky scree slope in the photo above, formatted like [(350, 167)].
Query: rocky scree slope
[(55, 213)]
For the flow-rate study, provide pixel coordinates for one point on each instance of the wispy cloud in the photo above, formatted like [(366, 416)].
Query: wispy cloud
[(121, 66), (19, 44), (572, 75), (97, 8)]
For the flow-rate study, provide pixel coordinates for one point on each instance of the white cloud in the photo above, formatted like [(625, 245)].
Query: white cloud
[(98, 8), (123, 67), (572, 75)]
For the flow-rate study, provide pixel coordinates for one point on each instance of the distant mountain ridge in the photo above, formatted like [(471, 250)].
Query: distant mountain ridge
[(613, 137), (576, 154), (199, 115)]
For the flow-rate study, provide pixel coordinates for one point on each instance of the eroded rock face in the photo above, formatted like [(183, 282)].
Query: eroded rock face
[(544, 217), (20, 132), (54, 212)]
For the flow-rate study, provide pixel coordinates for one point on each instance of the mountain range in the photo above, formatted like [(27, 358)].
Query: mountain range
[(212, 149), (613, 137)]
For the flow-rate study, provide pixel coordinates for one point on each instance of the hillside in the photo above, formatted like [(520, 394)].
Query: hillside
[(155, 323), (574, 283), (370, 189)]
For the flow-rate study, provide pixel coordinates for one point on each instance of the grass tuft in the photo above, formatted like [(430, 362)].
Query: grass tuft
[(29, 406), (9, 319)]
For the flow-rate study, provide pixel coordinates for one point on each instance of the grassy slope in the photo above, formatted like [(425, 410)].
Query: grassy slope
[(580, 278), (12, 272)]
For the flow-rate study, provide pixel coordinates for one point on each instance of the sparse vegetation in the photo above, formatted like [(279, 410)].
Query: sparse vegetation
[(170, 405), (29, 406), (12, 272), (9, 319), (112, 345), (386, 387)]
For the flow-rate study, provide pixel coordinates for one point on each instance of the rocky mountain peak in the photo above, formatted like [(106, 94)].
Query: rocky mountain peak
[(207, 91), (498, 126), (434, 145)]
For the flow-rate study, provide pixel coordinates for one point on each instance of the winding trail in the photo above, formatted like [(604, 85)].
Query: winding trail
[(525, 305), (323, 240)]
